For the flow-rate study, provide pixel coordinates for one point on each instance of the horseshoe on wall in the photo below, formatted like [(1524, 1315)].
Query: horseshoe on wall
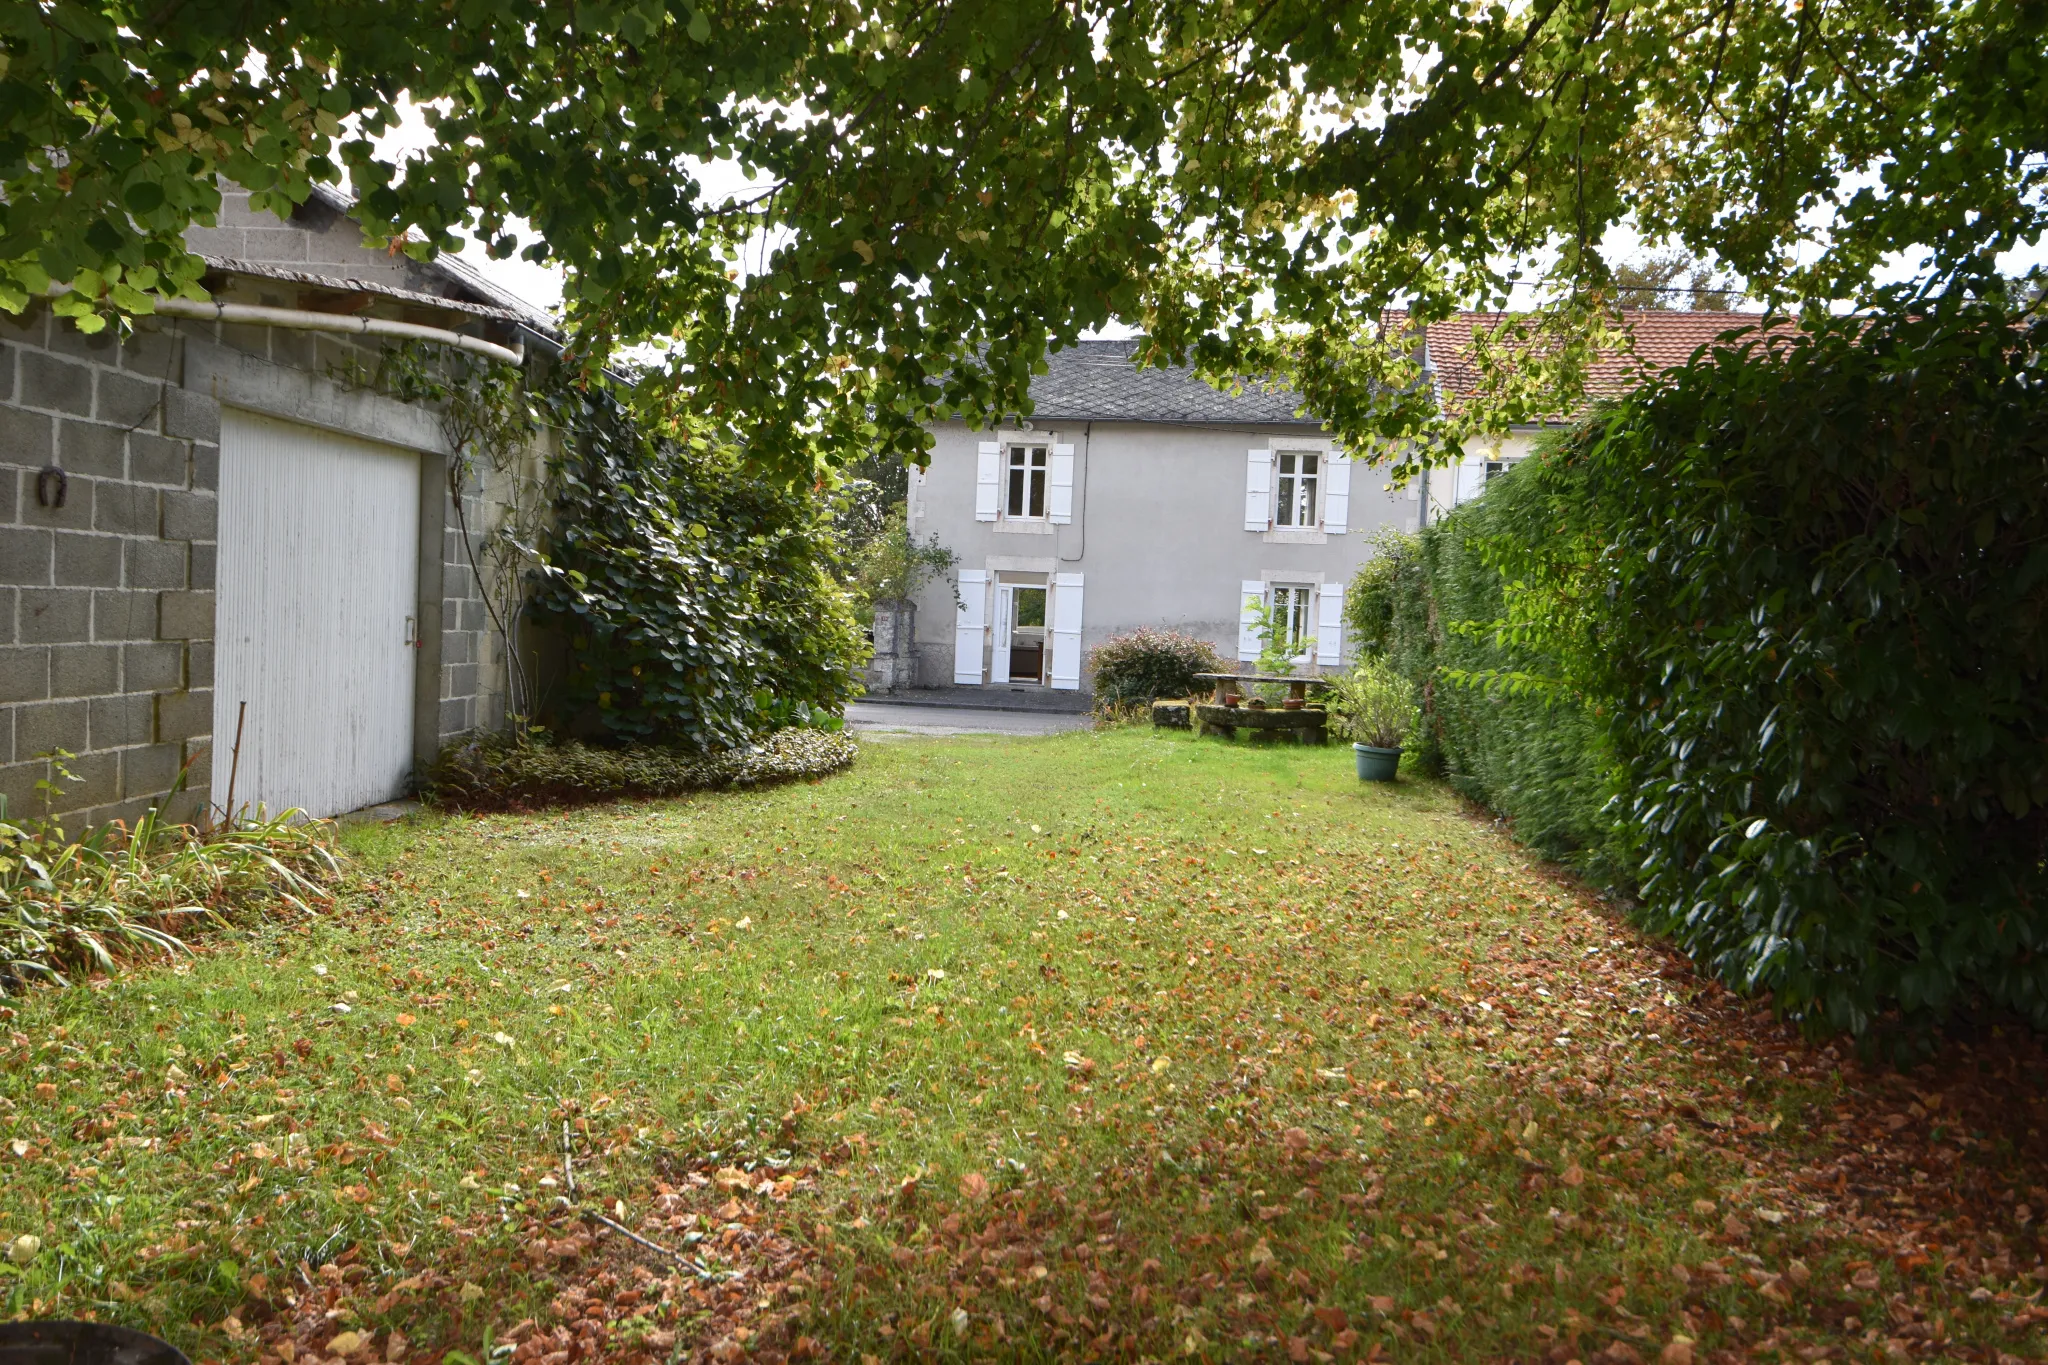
[(51, 485)]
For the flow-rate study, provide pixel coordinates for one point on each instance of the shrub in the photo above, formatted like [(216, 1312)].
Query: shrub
[(513, 771), (698, 597), (1147, 664), (1809, 586), (895, 565), (1372, 704), (1493, 723)]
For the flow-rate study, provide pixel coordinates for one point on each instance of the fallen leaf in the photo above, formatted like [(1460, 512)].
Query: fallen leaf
[(974, 1186)]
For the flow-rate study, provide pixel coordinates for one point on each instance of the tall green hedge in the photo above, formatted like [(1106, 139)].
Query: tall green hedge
[(1494, 726), (1797, 594)]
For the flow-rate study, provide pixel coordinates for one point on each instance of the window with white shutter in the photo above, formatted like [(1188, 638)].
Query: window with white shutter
[(1024, 479), (987, 480), (1292, 606), (1062, 487), (1254, 597), (1066, 632), (1258, 490), (1330, 624), (970, 626), (1297, 478), (1337, 493)]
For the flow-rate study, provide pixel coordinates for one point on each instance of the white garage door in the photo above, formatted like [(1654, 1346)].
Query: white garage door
[(317, 583)]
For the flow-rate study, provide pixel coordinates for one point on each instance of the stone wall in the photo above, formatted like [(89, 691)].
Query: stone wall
[(107, 602)]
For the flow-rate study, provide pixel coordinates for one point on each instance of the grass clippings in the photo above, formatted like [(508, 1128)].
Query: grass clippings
[(1115, 1045)]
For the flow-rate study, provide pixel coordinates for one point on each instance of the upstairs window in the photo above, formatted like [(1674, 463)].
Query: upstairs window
[(1296, 474), (1024, 491), (1495, 468)]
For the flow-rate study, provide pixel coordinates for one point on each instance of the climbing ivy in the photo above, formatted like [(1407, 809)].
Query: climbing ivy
[(697, 596)]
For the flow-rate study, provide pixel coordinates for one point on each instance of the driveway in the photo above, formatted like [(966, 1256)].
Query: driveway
[(877, 717)]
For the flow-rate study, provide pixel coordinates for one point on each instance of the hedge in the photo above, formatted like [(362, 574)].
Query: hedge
[(1793, 596), (500, 771), (1428, 604)]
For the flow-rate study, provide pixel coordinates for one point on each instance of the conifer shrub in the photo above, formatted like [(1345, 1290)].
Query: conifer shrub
[(524, 771)]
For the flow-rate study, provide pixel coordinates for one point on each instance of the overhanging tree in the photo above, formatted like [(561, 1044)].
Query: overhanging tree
[(950, 188)]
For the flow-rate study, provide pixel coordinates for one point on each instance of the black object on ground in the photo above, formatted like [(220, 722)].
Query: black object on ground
[(82, 1343)]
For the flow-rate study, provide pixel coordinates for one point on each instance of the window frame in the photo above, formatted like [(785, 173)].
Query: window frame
[(1307, 485), (1018, 478), (1301, 619)]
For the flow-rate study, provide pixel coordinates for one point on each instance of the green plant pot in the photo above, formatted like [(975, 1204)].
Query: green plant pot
[(1376, 764)]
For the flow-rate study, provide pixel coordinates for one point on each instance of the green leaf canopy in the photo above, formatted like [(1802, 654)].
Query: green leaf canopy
[(948, 188)]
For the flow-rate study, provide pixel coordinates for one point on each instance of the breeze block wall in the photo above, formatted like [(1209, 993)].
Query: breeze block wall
[(107, 602)]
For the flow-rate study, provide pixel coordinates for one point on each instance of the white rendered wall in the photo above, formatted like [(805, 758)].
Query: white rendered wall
[(1158, 531)]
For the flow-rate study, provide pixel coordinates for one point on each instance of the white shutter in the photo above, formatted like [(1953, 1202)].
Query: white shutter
[(1330, 624), (1066, 632), (1248, 621), (1258, 490), (1061, 505), (969, 625), (1337, 494), (986, 478), (1002, 610)]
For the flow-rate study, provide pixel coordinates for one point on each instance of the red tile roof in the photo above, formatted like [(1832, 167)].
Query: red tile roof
[(1658, 340)]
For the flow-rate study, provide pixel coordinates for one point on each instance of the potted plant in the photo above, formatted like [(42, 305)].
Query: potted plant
[(1376, 707)]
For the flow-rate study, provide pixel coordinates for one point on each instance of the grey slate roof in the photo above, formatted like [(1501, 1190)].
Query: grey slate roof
[(1095, 381)]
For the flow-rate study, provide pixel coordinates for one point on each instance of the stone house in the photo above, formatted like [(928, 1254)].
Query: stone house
[(213, 524)]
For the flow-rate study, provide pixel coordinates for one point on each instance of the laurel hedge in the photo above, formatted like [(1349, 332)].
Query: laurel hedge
[(1796, 593)]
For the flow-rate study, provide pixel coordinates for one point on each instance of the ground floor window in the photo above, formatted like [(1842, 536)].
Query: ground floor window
[(1290, 605)]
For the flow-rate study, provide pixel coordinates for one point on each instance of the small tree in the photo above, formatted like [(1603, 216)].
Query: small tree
[(895, 565)]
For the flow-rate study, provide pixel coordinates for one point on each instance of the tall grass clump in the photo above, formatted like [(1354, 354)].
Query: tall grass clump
[(85, 904)]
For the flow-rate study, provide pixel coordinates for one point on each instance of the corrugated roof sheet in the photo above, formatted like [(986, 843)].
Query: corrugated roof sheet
[(1095, 381), (266, 270)]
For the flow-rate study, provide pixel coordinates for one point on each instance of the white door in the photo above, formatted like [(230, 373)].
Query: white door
[(317, 590), (1005, 626)]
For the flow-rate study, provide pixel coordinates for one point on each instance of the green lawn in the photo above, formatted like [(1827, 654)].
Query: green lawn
[(1119, 1044)]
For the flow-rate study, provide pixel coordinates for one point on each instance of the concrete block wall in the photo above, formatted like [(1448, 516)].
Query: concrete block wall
[(473, 690), (106, 603)]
